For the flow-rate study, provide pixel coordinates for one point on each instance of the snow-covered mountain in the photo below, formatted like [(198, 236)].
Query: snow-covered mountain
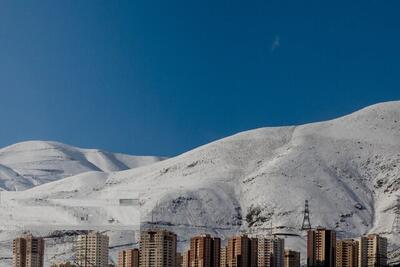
[(33, 163), (348, 169)]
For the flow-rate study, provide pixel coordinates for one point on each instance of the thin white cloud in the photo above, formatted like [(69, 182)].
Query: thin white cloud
[(276, 43)]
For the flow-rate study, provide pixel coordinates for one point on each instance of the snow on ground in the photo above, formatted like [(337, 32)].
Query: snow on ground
[(28, 164), (348, 169)]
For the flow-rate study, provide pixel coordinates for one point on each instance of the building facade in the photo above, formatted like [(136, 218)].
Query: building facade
[(271, 252), (205, 251), (347, 253), (28, 251), (157, 248), (186, 259), (222, 257), (291, 258), (373, 251), (321, 248), (241, 251), (179, 259), (92, 250), (64, 264), (128, 258)]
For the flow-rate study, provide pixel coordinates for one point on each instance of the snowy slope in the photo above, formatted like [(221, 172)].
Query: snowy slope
[(11, 180), (348, 168), (32, 163)]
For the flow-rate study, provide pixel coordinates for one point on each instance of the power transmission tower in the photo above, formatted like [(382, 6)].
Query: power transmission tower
[(306, 225), (396, 222)]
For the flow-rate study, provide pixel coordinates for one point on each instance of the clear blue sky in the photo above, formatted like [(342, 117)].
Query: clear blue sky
[(162, 77)]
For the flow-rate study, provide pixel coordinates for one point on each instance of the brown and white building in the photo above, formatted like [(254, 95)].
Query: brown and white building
[(92, 250), (128, 258), (158, 248), (271, 252), (373, 251), (347, 253), (291, 258), (28, 251), (241, 251), (205, 251), (321, 248)]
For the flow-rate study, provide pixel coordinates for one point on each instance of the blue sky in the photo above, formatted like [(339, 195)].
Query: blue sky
[(162, 77)]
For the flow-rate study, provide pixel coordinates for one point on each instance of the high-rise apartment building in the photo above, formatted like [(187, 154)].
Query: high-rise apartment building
[(373, 251), (321, 248), (253, 252), (291, 258), (241, 252), (186, 259), (63, 264), (271, 252), (347, 253), (19, 252), (179, 259), (92, 250), (205, 251), (223, 257), (157, 248), (28, 251), (128, 258)]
